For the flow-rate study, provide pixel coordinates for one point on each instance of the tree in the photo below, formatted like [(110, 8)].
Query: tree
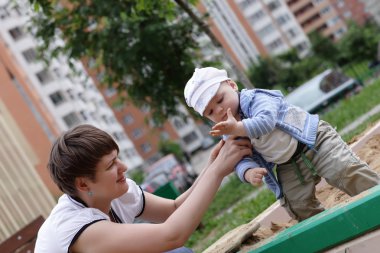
[(265, 72), (324, 48), (170, 147), (146, 49), (360, 43)]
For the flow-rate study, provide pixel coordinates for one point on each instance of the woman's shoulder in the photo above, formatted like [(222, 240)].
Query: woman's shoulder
[(65, 221), (69, 211)]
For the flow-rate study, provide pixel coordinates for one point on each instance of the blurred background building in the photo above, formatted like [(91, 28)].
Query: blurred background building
[(249, 29), (372, 7)]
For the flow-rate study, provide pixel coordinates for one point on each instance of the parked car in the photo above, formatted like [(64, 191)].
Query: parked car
[(322, 90), (167, 169)]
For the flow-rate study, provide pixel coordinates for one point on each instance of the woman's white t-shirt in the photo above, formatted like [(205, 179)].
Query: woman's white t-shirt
[(69, 218)]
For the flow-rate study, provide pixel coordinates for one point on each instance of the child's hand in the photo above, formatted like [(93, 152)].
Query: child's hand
[(255, 176), (230, 126)]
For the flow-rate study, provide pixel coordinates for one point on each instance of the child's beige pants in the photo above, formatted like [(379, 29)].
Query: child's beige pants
[(333, 160)]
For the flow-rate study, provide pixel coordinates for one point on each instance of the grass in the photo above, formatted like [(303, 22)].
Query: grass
[(217, 221), (349, 109), (226, 197), (216, 226)]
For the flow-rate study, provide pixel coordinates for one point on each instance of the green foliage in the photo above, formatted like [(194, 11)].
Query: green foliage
[(146, 48), (136, 175), (265, 73), (288, 71), (324, 48), (170, 147), (360, 43)]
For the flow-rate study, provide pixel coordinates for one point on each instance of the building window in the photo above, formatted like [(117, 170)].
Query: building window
[(100, 76), (347, 14), (332, 21), (244, 4), (4, 12), (164, 135), (105, 119), (137, 132), (275, 44), (325, 10), (58, 73), (130, 153), (30, 55), (274, 5), (256, 16), (57, 98), (44, 76), (292, 33), (146, 147), (302, 46), (71, 94), (178, 124), (16, 33), (283, 19), (128, 119), (109, 92), (338, 34), (145, 108), (84, 115), (71, 119), (265, 30), (119, 136), (191, 137)]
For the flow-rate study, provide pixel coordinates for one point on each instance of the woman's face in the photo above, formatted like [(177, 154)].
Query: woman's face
[(110, 181)]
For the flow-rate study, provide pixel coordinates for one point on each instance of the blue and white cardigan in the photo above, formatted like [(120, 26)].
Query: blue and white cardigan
[(262, 111)]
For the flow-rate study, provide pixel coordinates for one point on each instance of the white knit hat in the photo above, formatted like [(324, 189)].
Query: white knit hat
[(202, 87)]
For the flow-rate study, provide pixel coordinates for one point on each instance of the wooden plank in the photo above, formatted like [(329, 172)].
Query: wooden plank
[(329, 228), (26, 235), (232, 241)]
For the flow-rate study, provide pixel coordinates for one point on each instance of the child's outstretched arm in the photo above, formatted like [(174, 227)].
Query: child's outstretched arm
[(229, 127)]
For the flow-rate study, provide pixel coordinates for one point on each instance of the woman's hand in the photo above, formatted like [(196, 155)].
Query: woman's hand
[(214, 152), (230, 153)]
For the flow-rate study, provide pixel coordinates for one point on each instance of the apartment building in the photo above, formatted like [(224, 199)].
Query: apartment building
[(351, 10), (252, 28), (31, 121), (372, 7), (23, 195), (57, 98)]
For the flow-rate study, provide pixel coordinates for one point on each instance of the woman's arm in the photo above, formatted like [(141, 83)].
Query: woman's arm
[(158, 209), (105, 236)]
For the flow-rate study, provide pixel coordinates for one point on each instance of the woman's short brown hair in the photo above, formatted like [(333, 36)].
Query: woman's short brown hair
[(76, 153)]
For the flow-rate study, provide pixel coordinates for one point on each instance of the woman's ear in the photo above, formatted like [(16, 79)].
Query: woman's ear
[(81, 184)]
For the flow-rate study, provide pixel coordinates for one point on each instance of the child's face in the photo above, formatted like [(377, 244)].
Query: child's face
[(226, 97)]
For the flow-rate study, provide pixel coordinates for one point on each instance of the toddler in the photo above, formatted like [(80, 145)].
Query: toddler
[(292, 149)]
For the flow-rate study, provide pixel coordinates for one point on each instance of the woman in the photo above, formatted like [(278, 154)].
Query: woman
[(97, 209)]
